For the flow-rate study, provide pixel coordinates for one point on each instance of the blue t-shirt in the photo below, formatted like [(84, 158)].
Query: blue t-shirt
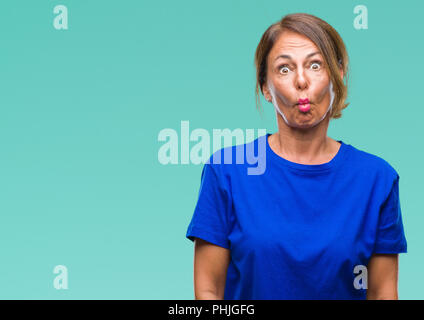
[(297, 231)]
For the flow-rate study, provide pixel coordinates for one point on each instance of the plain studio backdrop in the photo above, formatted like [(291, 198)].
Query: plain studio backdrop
[(81, 110)]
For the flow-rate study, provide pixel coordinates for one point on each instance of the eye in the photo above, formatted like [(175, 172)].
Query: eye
[(284, 69), (316, 65)]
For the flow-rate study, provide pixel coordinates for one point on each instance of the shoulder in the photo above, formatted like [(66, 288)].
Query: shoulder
[(372, 164), (240, 159)]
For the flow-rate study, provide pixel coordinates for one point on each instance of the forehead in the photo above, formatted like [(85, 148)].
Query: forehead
[(292, 42)]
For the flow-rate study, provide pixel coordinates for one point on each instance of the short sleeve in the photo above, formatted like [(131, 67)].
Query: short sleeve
[(390, 234), (210, 217)]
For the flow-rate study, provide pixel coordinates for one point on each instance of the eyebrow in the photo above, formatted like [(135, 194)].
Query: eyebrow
[(289, 57)]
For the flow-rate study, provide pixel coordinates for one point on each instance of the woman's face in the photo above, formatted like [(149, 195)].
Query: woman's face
[(296, 70)]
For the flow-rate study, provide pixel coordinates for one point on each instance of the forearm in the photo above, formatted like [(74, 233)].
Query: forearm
[(383, 277), (371, 295), (208, 295)]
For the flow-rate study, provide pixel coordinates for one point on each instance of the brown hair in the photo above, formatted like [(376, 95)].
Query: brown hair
[(325, 38)]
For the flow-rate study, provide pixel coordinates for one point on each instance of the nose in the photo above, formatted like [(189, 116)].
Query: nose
[(301, 81)]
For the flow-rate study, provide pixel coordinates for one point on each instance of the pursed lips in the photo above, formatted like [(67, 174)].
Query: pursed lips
[(303, 101)]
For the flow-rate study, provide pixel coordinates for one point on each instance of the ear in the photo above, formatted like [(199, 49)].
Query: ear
[(266, 93), (341, 69)]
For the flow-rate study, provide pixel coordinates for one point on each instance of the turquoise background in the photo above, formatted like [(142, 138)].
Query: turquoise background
[(81, 110)]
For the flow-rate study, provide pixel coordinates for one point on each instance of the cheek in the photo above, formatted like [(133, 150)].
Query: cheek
[(320, 87), (285, 92), (322, 92)]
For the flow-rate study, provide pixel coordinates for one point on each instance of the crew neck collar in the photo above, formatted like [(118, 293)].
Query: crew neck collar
[(333, 163)]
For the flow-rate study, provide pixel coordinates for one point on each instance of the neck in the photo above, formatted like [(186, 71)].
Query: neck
[(307, 146)]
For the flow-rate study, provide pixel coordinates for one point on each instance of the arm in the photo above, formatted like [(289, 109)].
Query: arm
[(383, 277), (210, 270)]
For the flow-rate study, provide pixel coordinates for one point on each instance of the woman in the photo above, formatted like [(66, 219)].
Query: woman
[(324, 220)]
